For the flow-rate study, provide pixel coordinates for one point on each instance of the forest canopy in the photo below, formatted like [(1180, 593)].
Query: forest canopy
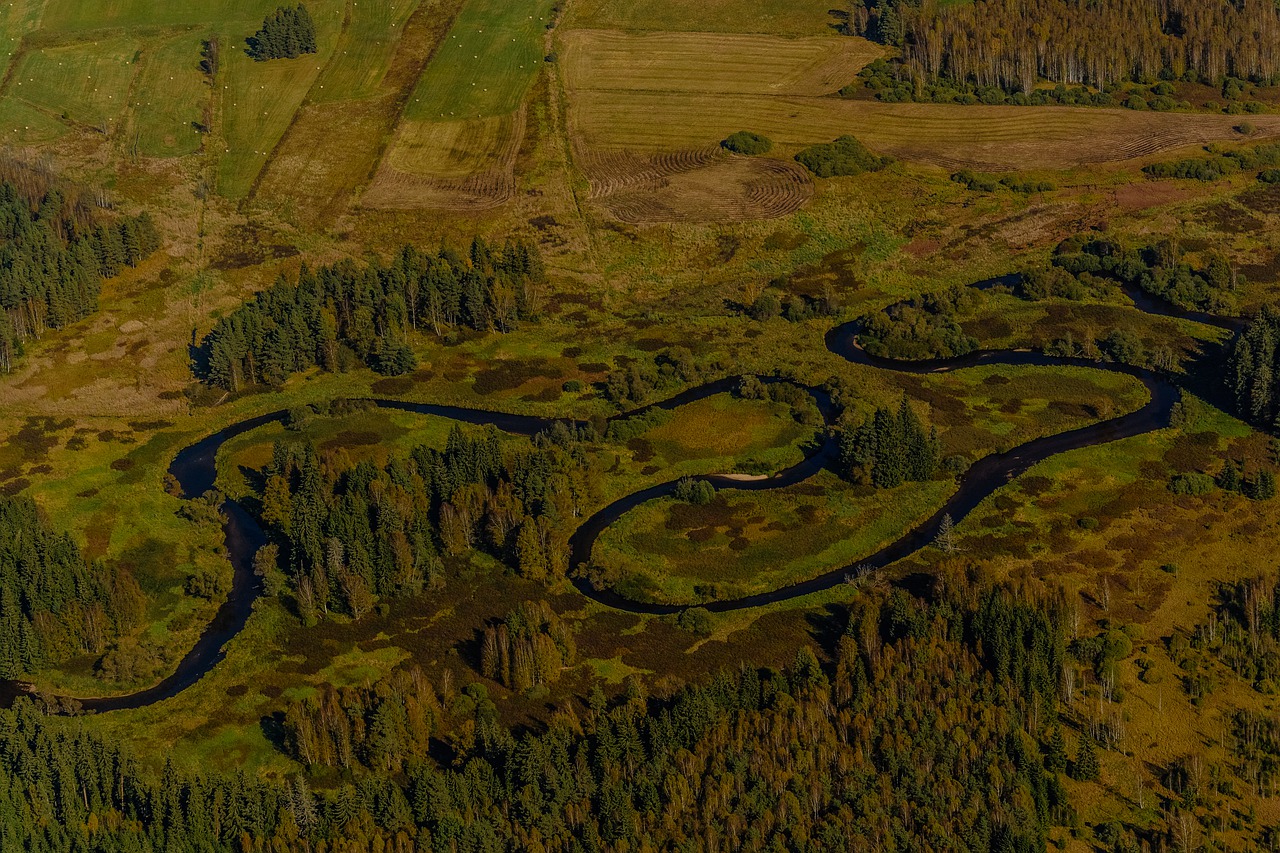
[(345, 314), (1013, 44), (55, 250)]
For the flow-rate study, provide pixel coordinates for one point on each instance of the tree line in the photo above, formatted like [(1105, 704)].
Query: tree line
[(1159, 268), (53, 603), (342, 315), (354, 533), (1252, 375), (55, 250), (1014, 45)]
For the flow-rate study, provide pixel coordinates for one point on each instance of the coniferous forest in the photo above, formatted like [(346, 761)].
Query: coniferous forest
[(1012, 45), (53, 604), (55, 250), (286, 33), (640, 426), (347, 314)]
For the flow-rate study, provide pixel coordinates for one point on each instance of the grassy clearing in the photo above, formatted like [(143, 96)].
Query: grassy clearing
[(747, 542), (706, 62), (88, 84), (997, 408), (778, 17), (172, 98), (726, 431)]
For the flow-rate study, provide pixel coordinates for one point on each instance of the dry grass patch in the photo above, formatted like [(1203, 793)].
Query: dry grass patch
[(730, 189), (712, 62), (466, 165)]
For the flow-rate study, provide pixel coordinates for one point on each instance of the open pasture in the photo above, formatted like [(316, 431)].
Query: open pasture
[(17, 18), (713, 62), (365, 50), (76, 15), (950, 136), (171, 98), (485, 64), (87, 82), (260, 99)]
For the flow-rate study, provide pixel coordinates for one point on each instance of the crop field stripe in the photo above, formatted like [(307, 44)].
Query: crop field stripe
[(335, 143), (486, 62), (17, 19), (713, 62), (993, 137), (260, 99), (365, 50)]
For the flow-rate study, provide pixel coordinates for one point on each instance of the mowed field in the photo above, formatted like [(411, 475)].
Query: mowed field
[(464, 120), (776, 17), (337, 138), (995, 138), (644, 94), (734, 64)]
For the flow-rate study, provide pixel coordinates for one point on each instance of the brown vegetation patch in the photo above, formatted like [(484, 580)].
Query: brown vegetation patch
[(510, 374), (1262, 199), (729, 189), (1264, 270), (393, 385), (1228, 217), (249, 245), (432, 186)]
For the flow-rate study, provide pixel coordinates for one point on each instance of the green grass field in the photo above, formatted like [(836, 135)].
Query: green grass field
[(172, 97), (776, 17), (17, 18), (748, 542), (73, 15), (259, 99), (486, 62), (87, 86)]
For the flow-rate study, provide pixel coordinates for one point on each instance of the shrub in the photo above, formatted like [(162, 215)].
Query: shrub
[(696, 620), (845, 156), (1191, 484), (746, 142)]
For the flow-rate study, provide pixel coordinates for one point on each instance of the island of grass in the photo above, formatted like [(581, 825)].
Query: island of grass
[(742, 543), (724, 433)]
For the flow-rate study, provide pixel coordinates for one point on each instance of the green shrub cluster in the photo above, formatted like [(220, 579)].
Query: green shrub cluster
[(844, 157), (746, 142)]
